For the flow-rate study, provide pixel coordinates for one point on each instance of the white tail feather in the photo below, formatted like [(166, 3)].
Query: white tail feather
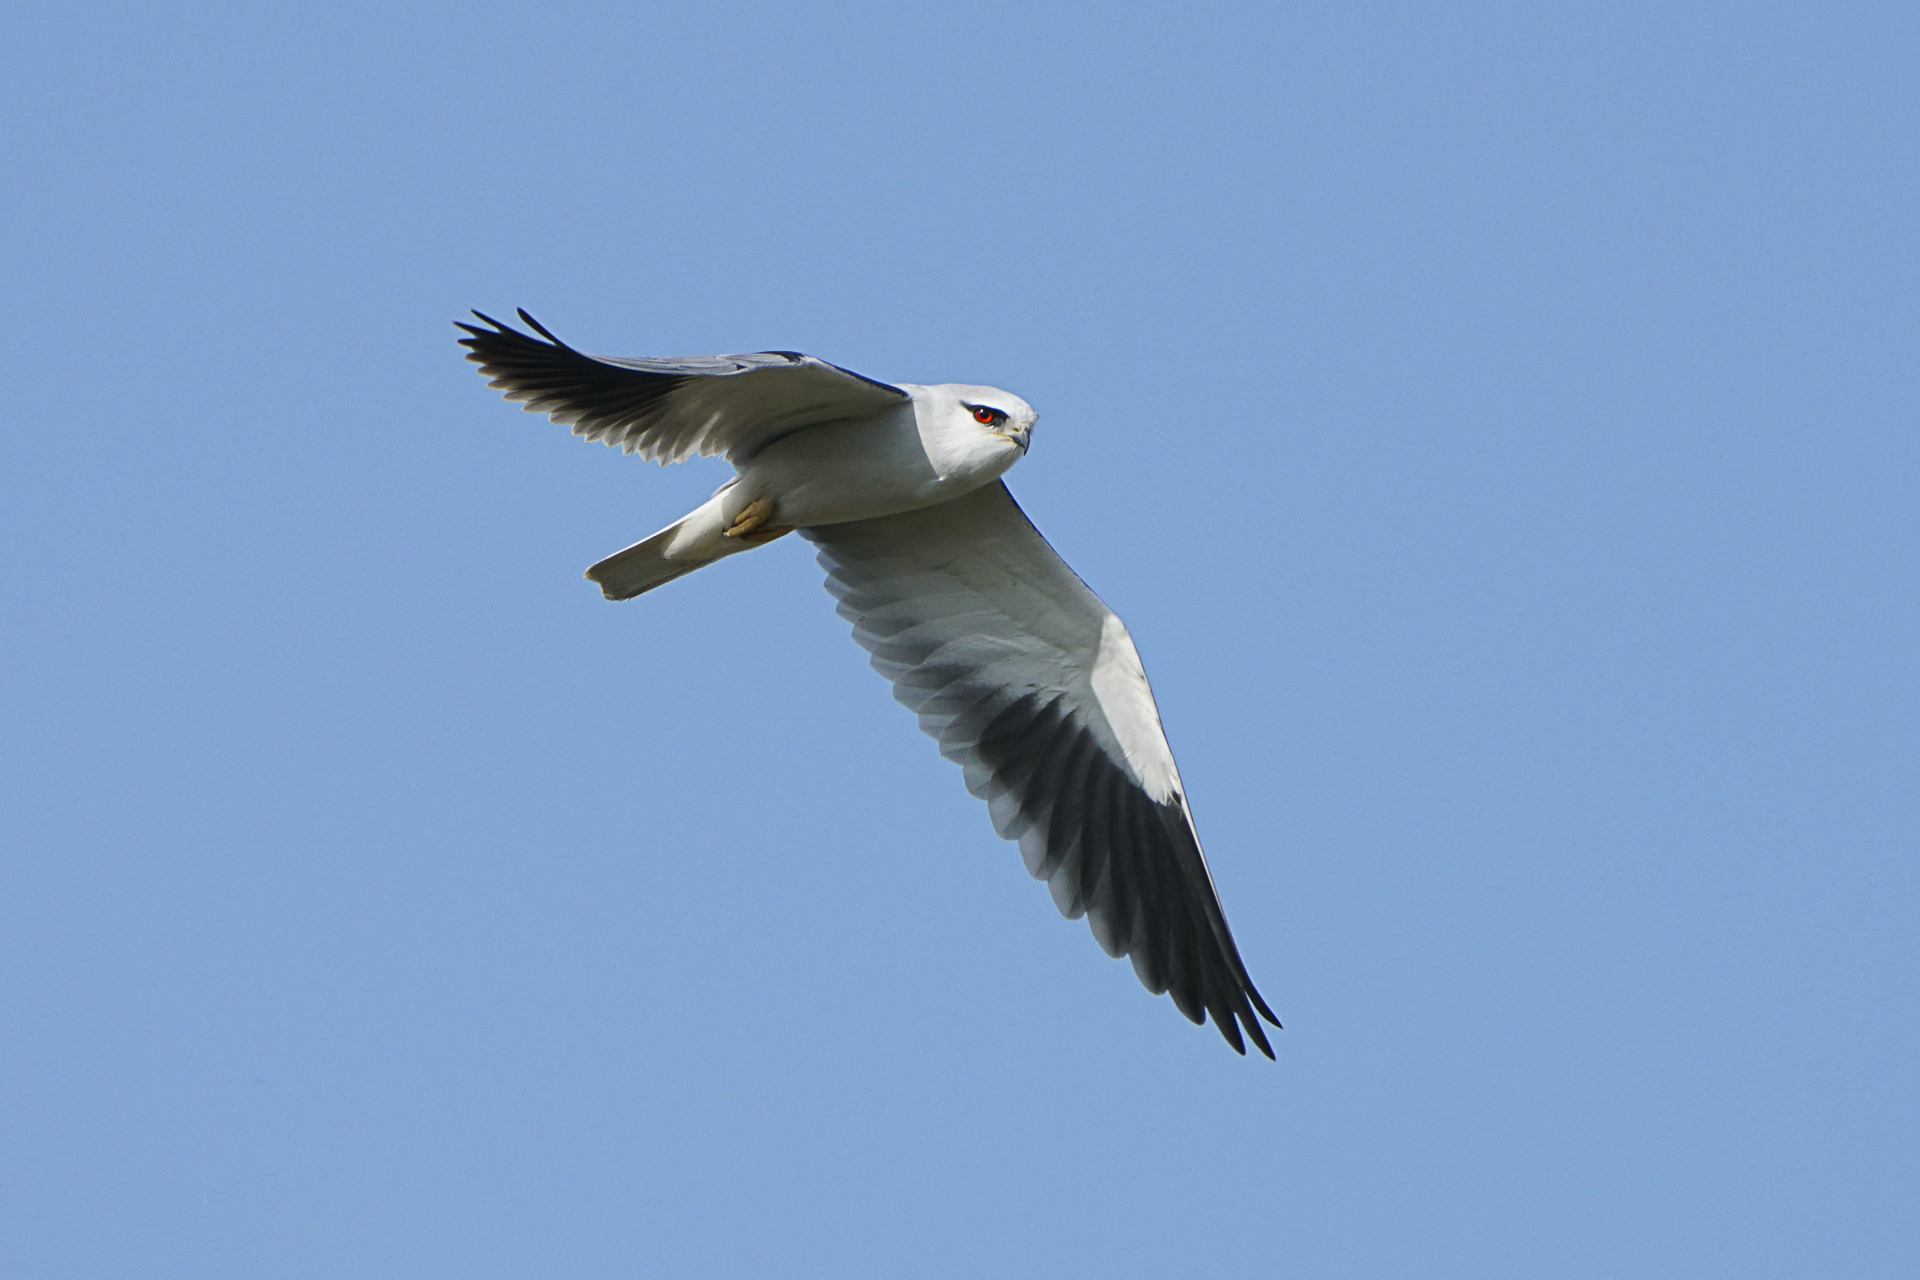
[(687, 544)]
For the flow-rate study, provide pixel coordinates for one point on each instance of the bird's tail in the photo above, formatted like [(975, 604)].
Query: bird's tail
[(692, 541)]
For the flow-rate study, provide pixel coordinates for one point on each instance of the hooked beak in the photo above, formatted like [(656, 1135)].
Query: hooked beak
[(1022, 437)]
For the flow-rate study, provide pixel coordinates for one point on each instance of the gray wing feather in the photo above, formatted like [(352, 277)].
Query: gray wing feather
[(668, 410), (992, 641)]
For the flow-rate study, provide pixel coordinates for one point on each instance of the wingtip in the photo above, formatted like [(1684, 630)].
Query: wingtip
[(1259, 1038), (1261, 1006), (1231, 1021), (476, 336), (541, 329), (1229, 1026), (499, 328)]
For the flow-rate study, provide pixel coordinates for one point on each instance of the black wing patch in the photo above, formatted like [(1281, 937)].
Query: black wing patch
[(1131, 866), (1013, 705), (667, 410)]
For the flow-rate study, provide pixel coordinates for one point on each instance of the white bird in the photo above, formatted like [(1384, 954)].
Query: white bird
[(1025, 678)]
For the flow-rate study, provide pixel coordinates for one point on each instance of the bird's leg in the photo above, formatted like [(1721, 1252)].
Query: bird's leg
[(751, 526), (766, 533)]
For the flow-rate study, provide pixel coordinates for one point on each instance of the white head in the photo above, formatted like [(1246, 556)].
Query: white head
[(977, 416)]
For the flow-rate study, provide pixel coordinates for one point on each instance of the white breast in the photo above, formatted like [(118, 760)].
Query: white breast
[(903, 460)]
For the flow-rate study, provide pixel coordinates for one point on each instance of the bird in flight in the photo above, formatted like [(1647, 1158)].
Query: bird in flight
[(1023, 676)]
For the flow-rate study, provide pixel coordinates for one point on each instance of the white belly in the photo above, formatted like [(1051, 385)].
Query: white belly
[(858, 470)]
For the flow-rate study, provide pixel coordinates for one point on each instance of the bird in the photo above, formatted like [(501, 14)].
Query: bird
[(1012, 664)]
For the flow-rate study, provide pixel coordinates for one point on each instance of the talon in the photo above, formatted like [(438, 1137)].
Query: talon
[(751, 517), (766, 533)]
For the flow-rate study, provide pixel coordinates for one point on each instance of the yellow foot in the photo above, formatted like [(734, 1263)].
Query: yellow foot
[(751, 526)]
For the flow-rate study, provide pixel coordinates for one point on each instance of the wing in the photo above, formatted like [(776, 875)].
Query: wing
[(673, 409), (1032, 685)]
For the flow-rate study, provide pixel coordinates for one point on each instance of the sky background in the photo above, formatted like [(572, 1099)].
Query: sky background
[(1496, 423)]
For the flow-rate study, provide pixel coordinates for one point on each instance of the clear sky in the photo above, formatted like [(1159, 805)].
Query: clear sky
[(1495, 422)]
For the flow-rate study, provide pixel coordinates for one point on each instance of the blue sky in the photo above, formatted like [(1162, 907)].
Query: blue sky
[(1496, 424)]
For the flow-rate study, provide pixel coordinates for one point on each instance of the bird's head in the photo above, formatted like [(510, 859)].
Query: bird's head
[(999, 416)]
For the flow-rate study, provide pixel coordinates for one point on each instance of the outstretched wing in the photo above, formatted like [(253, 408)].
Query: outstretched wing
[(669, 410), (1033, 686)]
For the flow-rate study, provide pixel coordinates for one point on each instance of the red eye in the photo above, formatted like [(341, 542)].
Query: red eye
[(983, 415)]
